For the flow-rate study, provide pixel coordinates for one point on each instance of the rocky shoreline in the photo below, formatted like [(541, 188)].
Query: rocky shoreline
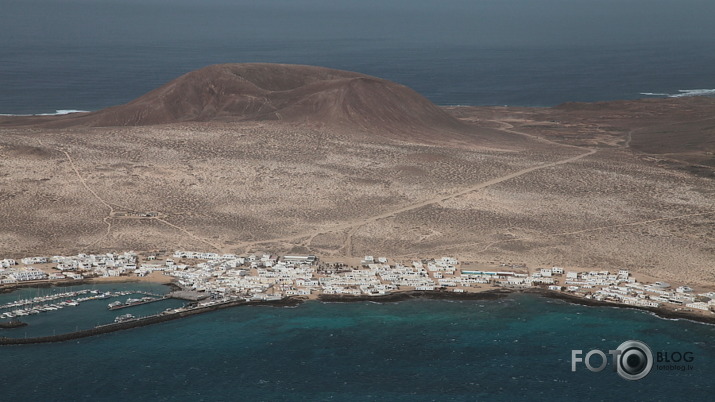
[(659, 312), (496, 294), (493, 294), (417, 294)]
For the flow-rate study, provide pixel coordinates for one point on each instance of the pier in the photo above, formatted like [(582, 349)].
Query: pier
[(139, 303)]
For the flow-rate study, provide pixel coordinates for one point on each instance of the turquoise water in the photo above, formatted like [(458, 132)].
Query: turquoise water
[(414, 350), (87, 315)]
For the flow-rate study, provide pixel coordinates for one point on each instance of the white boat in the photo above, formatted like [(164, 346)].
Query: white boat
[(125, 317), (114, 304)]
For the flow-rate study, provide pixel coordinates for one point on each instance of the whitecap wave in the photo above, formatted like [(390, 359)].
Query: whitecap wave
[(693, 92), (683, 93), (56, 113)]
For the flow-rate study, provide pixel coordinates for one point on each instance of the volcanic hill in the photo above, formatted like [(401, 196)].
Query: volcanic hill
[(294, 94)]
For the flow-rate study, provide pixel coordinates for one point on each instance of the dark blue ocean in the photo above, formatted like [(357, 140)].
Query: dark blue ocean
[(91, 54)]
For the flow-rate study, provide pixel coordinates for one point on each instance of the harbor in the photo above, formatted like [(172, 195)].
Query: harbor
[(81, 312), (129, 321), (54, 302), (202, 282)]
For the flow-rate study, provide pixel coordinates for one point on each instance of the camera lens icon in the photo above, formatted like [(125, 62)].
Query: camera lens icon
[(635, 360)]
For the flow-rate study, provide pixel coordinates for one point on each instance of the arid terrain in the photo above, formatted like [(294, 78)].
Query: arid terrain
[(298, 159)]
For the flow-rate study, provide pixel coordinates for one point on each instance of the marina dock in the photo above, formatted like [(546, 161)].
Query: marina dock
[(139, 302)]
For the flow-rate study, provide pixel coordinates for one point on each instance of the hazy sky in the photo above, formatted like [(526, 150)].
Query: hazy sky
[(468, 22)]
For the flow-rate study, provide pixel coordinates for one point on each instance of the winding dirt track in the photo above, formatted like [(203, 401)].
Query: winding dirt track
[(95, 195), (434, 200), (488, 245), (352, 226), (110, 215)]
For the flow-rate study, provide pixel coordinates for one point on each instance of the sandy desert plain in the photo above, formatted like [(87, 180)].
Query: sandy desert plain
[(286, 159)]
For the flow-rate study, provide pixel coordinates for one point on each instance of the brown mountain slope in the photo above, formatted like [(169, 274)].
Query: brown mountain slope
[(305, 95)]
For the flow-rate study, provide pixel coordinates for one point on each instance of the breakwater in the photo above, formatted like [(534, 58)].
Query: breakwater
[(12, 324), (141, 322)]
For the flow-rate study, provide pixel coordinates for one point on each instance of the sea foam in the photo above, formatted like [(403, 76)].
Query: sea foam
[(56, 113), (693, 92), (682, 93)]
